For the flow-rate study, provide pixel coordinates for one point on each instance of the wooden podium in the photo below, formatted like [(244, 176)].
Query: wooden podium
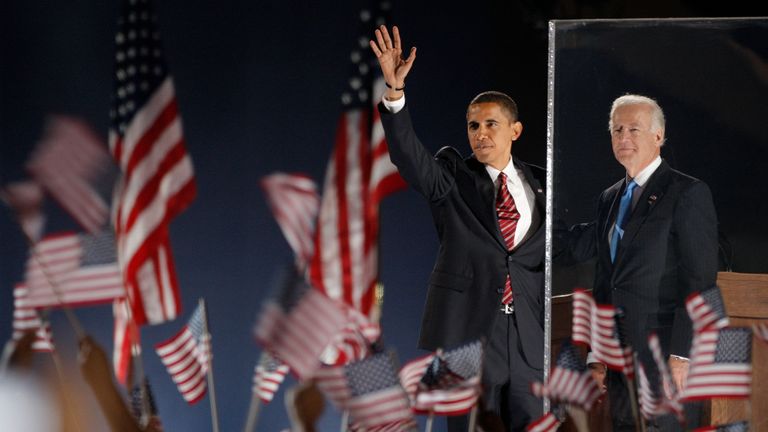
[(746, 302)]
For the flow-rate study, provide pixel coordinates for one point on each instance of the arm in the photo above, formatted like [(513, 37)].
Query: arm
[(96, 371), (414, 162), (695, 226)]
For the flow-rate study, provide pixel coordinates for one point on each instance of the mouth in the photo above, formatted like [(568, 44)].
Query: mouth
[(483, 146)]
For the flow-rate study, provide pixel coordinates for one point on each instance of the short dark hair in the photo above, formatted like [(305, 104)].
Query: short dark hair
[(501, 99)]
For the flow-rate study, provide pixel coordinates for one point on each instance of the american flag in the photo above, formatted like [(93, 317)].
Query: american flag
[(376, 397), (158, 182), (138, 398), (68, 161), (267, 376), (125, 338), (654, 400), (332, 381), (370, 391), (761, 331), (25, 198), (298, 323), (721, 365), (707, 309), (294, 201), (26, 318), (570, 381), (358, 176), (741, 426), (355, 340), (594, 324), (444, 383), (70, 269), (546, 423), (187, 356)]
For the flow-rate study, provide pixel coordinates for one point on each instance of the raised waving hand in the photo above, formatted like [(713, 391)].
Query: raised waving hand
[(389, 53)]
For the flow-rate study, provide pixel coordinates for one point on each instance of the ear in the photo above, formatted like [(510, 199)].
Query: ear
[(517, 127), (658, 137)]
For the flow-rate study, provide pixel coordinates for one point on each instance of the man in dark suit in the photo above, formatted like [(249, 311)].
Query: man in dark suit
[(488, 210), (655, 240)]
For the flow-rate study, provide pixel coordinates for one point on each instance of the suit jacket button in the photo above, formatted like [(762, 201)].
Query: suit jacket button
[(509, 258)]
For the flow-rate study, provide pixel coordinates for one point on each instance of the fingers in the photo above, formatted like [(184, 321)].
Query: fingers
[(387, 39), (411, 55), (380, 38), (375, 48), (396, 34)]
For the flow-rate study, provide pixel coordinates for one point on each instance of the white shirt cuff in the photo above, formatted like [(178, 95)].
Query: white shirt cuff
[(680, 357), (394, 106)]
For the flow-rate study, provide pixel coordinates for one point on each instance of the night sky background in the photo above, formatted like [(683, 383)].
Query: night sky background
[(258, 86)]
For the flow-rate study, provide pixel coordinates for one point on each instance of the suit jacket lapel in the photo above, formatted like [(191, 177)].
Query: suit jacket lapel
[(652, 194)]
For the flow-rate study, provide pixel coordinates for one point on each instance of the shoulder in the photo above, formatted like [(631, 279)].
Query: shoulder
[(449, 153), (609, 193)]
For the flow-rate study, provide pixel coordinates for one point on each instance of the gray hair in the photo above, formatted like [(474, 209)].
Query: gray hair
[(657, 114)]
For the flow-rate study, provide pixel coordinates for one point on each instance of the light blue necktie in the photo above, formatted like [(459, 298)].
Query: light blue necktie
[(618, 229)]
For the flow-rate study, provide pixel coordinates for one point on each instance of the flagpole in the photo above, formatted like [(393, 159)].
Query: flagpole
[(137, 362), (68, 401), (253, 413), (209, 373), (430, 419), (344, 420), (472, 418)]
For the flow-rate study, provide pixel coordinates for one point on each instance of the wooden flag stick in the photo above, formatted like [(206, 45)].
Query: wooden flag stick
[(209, 373), (138, 364), (253, 413), (430, 420), (472, 418), (344, 420)]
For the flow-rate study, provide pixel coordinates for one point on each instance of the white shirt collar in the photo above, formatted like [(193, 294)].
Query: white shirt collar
[(642, 177), (509, 170)]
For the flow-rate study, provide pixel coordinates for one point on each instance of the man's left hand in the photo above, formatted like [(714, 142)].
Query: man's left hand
[(678, 368)]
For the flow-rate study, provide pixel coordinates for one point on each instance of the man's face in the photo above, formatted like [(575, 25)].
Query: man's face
[(634, 144), (490, 132)]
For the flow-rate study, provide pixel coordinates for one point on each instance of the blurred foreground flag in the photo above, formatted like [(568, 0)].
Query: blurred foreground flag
[(370, 390), (158, 181), (446, 382), (298, 323), (69, 269), (570, 381), (267, 376), (741, 426), (26, 318), (187, 357), (595, 325), (546, 423), (658, 394), (358, 176), (68, 161), (707, 310), (294, 201), (721, 365)]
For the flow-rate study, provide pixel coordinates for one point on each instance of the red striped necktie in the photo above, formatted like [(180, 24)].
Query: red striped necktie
[(506, 211)]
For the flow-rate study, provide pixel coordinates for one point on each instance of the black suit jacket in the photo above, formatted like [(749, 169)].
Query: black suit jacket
[(668, 251), (468, 278)]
